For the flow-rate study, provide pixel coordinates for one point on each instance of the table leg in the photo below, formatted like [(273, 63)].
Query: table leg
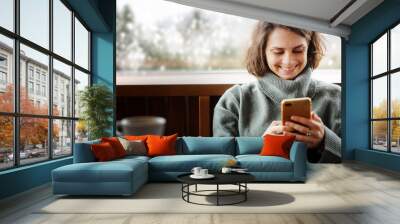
[(188, 189), (217, 194), (196, 188), (245, 193), (182, 188)]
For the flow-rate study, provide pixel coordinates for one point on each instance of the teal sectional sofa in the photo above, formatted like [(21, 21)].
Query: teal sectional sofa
[(125, 176)]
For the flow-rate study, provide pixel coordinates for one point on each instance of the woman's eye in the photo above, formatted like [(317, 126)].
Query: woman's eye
[(298, 51), (278, 52)]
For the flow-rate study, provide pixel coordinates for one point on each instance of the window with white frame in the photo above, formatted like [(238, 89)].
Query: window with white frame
[(30, 87), (3, 77), (3, 70)]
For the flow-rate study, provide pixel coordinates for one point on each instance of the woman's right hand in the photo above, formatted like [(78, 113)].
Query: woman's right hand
[(275, 128)]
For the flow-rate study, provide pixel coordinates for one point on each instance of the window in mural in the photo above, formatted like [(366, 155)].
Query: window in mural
[(45, 131), (385, 97)]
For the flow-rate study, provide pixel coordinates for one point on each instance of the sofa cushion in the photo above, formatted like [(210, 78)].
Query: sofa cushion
[(133, 147), (207, 145), (132, 158), (103, 152), (161, 145), (112, 171), (136, 137), (116, 145), (185, 163), (248, 145), (257, 163), (277, 145)]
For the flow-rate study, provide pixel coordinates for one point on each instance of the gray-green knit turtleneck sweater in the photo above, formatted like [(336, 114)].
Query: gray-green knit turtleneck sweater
[(248, 109)]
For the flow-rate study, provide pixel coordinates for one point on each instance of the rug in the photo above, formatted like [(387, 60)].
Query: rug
[(167, 198)]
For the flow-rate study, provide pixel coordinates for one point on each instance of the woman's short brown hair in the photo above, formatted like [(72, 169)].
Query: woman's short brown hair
[(256, 60)]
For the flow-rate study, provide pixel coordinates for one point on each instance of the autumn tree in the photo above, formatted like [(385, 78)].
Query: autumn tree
[(33, 131), (395, 123), (6, 122), (380, 127)]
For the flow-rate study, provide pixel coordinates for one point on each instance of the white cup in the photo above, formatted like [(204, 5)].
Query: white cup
[(196, 170), (203, 172), (226, 170)]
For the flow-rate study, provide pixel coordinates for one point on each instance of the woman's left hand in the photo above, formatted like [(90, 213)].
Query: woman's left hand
[(311, 130)]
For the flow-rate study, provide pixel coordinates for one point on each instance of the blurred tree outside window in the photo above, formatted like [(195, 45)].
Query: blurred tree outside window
[(157, 36)]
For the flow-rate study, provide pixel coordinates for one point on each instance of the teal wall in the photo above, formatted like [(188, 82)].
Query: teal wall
[(380, 159), (103, 66), (103, 53), (24, 178), (99, 16), (355, 78)]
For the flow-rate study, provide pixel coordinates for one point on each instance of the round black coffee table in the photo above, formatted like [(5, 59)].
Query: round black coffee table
[(238, 179)]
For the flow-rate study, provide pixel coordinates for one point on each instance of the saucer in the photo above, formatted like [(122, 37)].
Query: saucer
[(208, 176), (240, 171)]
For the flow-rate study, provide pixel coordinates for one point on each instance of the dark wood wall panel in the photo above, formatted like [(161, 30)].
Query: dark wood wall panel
[(213, 102), (180, 105), (175, 115)]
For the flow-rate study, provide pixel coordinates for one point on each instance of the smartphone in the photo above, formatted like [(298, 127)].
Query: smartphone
[(295, 107)]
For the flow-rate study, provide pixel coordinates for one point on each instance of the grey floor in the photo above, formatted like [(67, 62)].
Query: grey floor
[(378, 188)]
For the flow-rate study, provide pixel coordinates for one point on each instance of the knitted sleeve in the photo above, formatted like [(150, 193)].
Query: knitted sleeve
[(226, 113), (332, 120), (333, 125), (330, 150)]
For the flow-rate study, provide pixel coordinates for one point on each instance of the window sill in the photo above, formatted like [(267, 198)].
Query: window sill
[(206, 77), (26, 167)]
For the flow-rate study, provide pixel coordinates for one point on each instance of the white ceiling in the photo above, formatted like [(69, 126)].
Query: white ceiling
[(324, 16), (321, 9)]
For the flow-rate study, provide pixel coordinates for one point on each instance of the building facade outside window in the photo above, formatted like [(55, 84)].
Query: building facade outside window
[(3, 71), (3, 78), (3, 61), (30, 72), (54, 132), (30, 87)]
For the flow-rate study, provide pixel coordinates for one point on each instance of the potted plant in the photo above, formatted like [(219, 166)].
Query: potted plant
[(96, 103)]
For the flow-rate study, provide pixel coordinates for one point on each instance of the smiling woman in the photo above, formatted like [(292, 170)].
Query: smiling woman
[(283, 58)]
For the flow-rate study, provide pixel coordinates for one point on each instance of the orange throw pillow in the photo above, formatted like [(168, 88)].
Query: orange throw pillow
[(161, 145), (103, 152), (277, 145), (116, 145), (136, 137)]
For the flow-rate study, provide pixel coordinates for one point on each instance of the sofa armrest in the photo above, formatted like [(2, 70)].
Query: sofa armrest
[(83, 152), (298, 155)]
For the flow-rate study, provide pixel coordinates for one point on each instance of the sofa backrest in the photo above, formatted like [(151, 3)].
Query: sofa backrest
[(190, 146), (206, 145), (83, 152), (248, 145)]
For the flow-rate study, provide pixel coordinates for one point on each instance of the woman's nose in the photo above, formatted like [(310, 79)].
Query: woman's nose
[(287, 59)]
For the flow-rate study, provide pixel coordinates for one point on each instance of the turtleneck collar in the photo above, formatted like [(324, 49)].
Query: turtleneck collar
[(278, 89)]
